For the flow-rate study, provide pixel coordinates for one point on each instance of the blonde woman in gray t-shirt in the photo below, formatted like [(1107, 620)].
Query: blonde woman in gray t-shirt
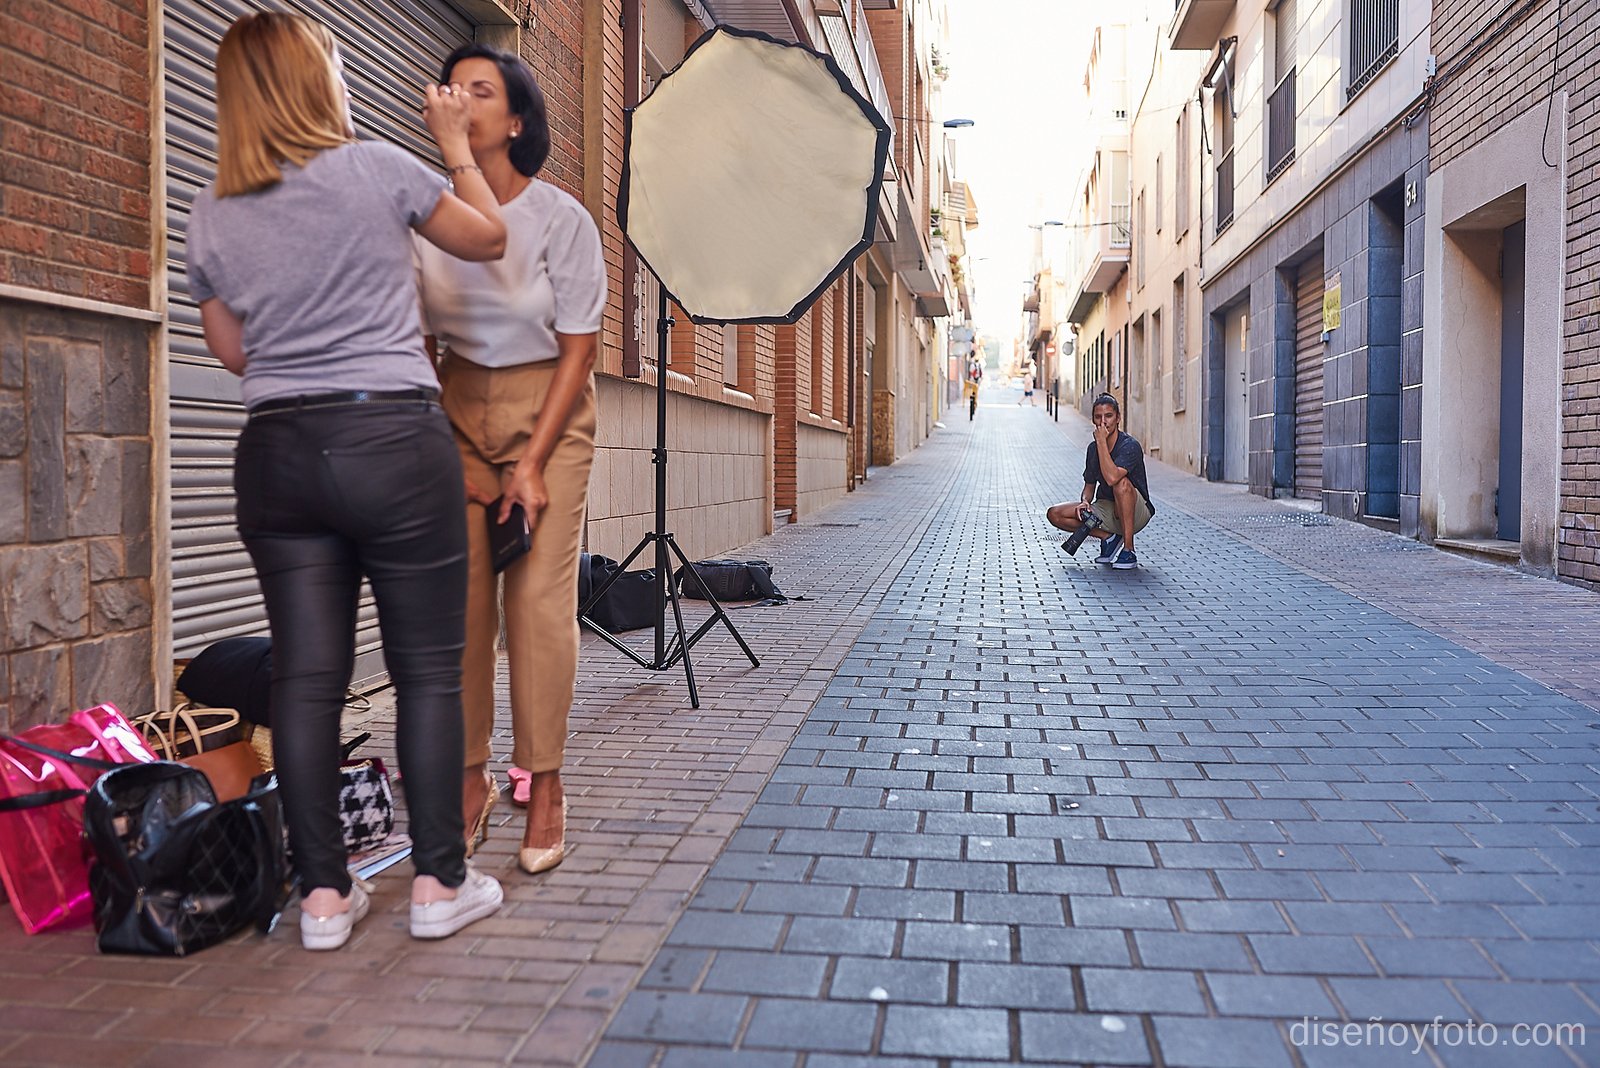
[(300, 258), (518, 340)]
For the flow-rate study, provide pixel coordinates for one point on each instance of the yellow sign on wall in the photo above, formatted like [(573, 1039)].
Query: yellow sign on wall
[(1331, 304)]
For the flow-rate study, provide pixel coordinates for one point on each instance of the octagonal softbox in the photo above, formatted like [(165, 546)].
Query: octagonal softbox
[(750, 178)]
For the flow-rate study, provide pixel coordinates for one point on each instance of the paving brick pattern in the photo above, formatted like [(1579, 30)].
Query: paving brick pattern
[(1051, 813), (656, 789), (954, 819)]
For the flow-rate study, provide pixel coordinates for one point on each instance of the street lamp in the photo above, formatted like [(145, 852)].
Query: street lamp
[(958, 124)]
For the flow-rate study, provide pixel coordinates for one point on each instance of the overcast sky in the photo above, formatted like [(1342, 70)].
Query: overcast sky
[(1016, 70)]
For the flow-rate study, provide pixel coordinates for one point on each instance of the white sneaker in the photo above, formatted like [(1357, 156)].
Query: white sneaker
[(478, 897), (331, 932)]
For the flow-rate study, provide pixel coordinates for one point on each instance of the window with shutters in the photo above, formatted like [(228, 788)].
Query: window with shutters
[(1180, 355), (1222, 103), (1157, 355), (1281, 100), (1156, 206), (819, 352), (1138, 240), (730, 355), (1374, 40), (1180, 177)]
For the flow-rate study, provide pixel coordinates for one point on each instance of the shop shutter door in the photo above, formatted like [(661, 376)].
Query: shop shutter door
[(390, 50), (1308, 354)]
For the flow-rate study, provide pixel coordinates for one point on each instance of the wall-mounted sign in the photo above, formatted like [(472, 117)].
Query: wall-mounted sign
[(1331, 304)]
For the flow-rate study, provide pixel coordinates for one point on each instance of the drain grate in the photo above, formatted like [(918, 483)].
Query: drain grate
[(1288, 519)]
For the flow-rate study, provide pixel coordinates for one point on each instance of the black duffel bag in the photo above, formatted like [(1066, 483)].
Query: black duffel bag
[(175, 871), (629, 604), (729, 580), (232, 673)]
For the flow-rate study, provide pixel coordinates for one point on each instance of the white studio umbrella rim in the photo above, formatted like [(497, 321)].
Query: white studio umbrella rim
[(880, 128)]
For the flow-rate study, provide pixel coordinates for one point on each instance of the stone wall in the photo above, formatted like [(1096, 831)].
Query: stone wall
[(75, 524)]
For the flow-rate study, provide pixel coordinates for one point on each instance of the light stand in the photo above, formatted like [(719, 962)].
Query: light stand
[(666, 547)]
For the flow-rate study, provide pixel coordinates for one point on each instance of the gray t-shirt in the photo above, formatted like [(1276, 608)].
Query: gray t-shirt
[(319, 269)]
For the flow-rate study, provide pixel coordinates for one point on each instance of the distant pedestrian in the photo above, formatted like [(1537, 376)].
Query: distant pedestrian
[(1116, 492), (971, 385), (300, 260), (1027, 388)]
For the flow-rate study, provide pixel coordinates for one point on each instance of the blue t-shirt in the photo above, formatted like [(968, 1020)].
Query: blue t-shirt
[(318, 268), (1126, 453)]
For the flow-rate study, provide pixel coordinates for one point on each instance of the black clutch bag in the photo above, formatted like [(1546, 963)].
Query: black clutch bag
[(508, 540)]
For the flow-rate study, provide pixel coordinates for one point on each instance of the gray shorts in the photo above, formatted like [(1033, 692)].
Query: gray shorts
[(1106, 515)]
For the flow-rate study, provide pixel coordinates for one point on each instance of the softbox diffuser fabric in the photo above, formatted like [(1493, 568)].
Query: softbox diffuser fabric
[(750, 178)]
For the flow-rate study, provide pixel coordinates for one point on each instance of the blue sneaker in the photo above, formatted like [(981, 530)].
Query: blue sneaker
[(1126, 561), (1108, 550)]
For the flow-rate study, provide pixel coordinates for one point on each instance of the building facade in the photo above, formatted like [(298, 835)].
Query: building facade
[(1099, 226), (1510, 405), (1363, 264), (1313, 160), (117, 547)]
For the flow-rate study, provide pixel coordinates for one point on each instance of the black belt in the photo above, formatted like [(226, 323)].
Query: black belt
[(351, 396)]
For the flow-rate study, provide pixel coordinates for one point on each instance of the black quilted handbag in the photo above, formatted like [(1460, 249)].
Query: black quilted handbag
[(175, 871)]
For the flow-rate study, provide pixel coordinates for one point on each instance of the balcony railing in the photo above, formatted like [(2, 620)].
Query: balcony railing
[(1121, 220), (1374, 40), (1225, 191), (1280, 127)]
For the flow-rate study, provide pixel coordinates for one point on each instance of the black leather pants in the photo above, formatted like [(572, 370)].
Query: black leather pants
[(325, 496)]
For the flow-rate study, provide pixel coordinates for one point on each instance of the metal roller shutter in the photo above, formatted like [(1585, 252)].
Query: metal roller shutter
[(1308, 355), (390, 49)]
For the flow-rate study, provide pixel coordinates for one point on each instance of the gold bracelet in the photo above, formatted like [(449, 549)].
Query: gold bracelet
[(466, 167)]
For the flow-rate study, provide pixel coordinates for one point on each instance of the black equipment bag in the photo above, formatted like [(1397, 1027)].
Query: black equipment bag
[(233, 673), (175, 871), (730, 580), (630, 603)]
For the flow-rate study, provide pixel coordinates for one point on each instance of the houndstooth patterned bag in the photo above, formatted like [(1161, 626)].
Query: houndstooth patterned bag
[(366, 803)]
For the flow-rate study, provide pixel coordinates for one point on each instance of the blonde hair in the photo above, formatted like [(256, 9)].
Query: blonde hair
[(279, 99)]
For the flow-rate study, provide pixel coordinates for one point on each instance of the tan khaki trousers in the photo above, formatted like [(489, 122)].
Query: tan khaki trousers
[(493, 411)]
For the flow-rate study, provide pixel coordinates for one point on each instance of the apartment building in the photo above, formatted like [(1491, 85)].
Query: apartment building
[(1099, 225)]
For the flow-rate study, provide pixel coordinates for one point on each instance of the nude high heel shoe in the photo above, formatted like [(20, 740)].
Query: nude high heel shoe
[(480, 830), (534, 860)]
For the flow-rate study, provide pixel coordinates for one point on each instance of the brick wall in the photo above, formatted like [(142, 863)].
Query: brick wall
[(75, 181), (1506, 80), (554, 49), (1578, 549), (1511, 77), (75, 424)]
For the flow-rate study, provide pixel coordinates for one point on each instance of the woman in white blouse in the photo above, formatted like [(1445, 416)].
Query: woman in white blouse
[(517, 340)]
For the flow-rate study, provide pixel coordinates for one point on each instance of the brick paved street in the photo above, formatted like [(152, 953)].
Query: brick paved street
[(984, 803)]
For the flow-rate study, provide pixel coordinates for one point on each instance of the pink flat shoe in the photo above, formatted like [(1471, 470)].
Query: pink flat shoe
[(521, 786)]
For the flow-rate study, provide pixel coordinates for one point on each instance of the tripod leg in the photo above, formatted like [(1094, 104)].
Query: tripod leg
[(599, 591), (717, 611), (683, 640)]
